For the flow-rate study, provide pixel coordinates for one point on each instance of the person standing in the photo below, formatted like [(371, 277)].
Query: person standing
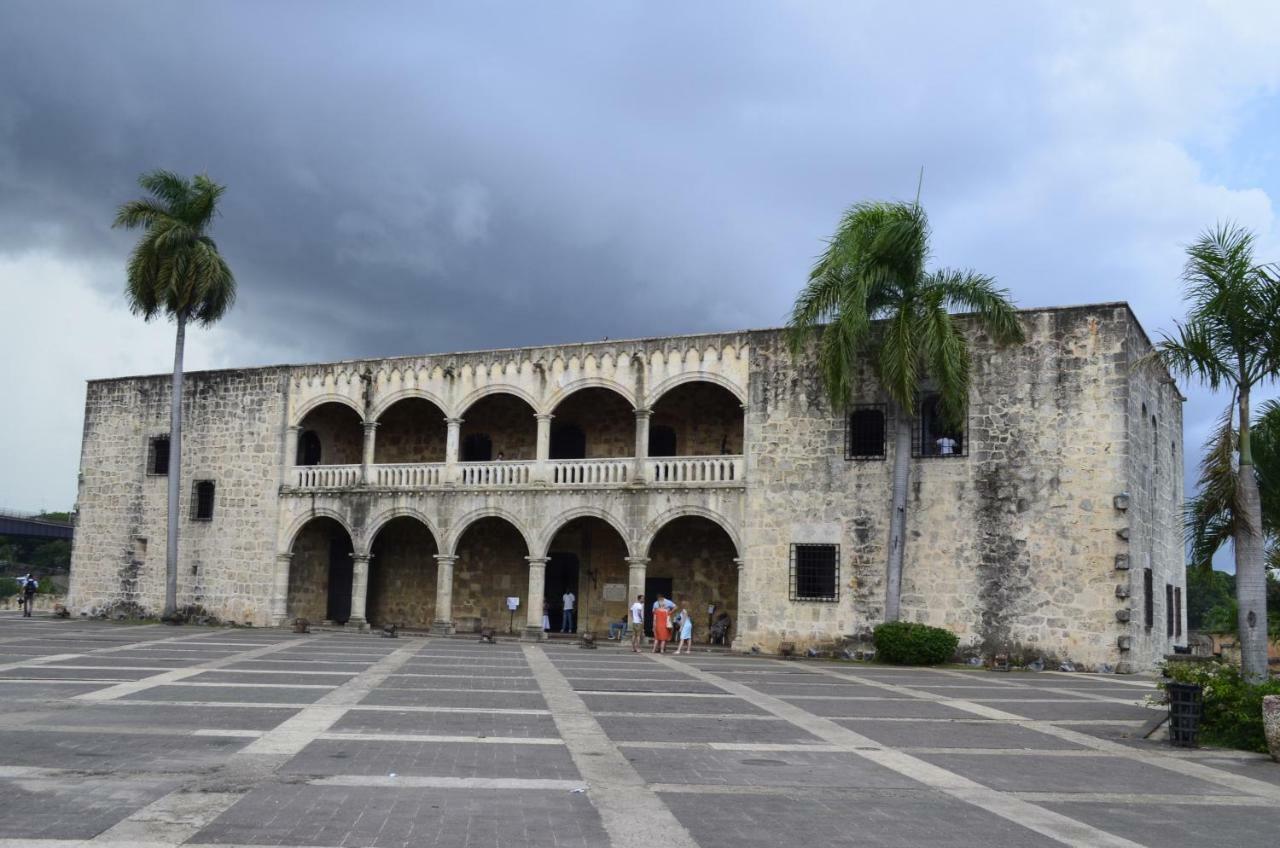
[(661, 625), (684, 622), (546, 617), (637, 624), (566, 626), (29, 587)]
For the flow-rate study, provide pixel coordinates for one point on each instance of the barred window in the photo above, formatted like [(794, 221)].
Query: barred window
[(1168, 609), (864, 433), (1148, 599), (158, 456), (937, 437), (1177, 610), (202, 501), (815, 572)]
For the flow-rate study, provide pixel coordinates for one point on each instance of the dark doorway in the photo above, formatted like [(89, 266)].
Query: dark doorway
[(662, 440), (562, 576), (341, 570), (568, 442), (652, 586), (308, 448), (477, 447)]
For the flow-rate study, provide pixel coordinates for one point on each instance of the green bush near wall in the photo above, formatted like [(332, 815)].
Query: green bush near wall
[(905, 643), (1232, 708)]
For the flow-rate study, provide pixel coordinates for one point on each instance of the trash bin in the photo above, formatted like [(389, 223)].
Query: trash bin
[(1186, 705)]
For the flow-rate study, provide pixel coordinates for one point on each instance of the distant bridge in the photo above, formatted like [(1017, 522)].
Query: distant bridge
[(33, 526)]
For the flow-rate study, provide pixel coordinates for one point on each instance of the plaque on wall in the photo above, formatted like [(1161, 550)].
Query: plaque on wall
[(615, 591)]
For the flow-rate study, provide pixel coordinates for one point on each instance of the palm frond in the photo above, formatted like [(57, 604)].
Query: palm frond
[(977, 293), (1195, 351)]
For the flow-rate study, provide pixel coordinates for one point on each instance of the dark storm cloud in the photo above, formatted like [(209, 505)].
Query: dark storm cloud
[(403, 181)]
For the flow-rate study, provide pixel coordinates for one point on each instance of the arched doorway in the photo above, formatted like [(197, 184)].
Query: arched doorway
[(499, 426), (320, 572), (410, 430), (402, 575), (697, 419), (490, 568), (588, 557), (593, 423), (691, 560), (330, 434)]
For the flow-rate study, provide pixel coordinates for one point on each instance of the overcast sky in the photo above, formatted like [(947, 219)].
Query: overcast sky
[(410, 180)]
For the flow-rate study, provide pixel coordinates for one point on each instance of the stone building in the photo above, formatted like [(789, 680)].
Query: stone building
[(427, 491)]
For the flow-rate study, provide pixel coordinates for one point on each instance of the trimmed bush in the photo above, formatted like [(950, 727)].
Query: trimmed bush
[(1232, 707), (905, 643)]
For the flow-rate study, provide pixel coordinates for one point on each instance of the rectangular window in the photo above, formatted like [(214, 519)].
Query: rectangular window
[(202, 501), (864, 433), (158, 456), (1148, 599), (1177, 611), (938, 437), (1168, 610), (815, 572)]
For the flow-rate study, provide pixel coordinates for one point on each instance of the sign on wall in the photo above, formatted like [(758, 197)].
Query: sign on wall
[(615, 591)]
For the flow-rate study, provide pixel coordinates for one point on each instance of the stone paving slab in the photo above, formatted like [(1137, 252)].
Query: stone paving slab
[(448, 724), (1082, 711), (117, 753), (43, 690), (959, 734), (900, 708), (702, 729), (1181, 826), (54, 672), (273, 695), (419, 681), (475, 700), (727, 705), (184, 718), (769, 768), (433, 759), (395, 818), (1034, 773), (73, 806)]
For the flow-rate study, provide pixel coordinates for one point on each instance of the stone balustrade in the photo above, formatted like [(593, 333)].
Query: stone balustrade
[(409, 475), (576, 472), (695, 469), (325, 476), (500, 473)]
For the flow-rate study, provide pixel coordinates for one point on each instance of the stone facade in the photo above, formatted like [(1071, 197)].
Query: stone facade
[(1035, 539)]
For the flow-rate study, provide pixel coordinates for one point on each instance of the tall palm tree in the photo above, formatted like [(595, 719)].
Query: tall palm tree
[(871, 297), (1231, 338), (175, 270)]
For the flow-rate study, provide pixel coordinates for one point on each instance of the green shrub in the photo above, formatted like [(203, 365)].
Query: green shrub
[(1232, 707), (8, 586), (905, 643)]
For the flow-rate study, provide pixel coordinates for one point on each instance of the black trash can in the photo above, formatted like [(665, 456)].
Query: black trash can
[(1186, 706)]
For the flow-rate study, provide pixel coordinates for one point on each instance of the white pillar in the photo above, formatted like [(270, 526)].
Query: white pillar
[(291, 446), (359, 591), (736, 626), (537, 589), (280, 590), (635, 578), (366, 457), (451, 445), (642, 443), (442, 625), (542, 470)]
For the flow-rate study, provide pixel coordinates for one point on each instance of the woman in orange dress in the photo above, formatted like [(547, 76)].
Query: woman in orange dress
[(661, 625)]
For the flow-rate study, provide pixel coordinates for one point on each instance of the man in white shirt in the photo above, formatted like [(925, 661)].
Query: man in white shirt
[(637, 624), (567, 624), (946, 446)]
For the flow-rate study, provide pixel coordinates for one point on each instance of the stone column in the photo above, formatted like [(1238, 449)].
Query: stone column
[(442, 625), (291, 446), (537, 589), (366, 458), (359, 591), (642, 443), (542, 470), (635, 578), (451, 445), (280, 590), (736, 627)]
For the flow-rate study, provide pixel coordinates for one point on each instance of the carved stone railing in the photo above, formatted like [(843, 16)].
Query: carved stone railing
[(495, 473), (695, 469), (325, 476), (409, 475), (590, 472)]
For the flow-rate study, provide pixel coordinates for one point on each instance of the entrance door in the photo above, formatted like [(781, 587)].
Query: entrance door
[(562, 576), (341, 570), (652, 586)]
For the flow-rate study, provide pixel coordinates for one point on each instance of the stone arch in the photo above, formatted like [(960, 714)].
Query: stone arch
[(561, 394), (403, 573), (460, 410), (320, 400), (383, 518), (449, 544), (291, 535), (655, 526), (319, 584), (656, 393), (564, 518), (390, 400)]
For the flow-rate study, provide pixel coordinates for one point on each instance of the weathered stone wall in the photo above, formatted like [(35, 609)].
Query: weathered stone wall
[(509, 424), (338, 428), (698, 557), (402, 575), (233, 435), (412, 430), (706, 418), (491, 567), (309, 570), (606, 419)]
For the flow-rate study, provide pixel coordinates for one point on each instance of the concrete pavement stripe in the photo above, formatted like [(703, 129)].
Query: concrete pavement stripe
[(632, 814), (1043, 821), (1023, 687), (170, 820), (1123, 798)]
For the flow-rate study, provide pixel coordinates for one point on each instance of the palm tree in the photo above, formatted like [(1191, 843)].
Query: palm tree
[(1231, 338), (871, 297), (176, 270)]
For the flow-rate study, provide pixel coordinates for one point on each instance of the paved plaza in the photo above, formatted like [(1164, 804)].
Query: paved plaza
[(137, 736)]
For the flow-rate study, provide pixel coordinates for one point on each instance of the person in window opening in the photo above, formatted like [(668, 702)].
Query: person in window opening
[(566, 626), (546, 617), (946, 445), (501, 456), (28, 585)]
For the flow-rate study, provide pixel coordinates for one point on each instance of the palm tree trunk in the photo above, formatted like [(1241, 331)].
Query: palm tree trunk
[(175, 475), (1251, 576), (898, 517)]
